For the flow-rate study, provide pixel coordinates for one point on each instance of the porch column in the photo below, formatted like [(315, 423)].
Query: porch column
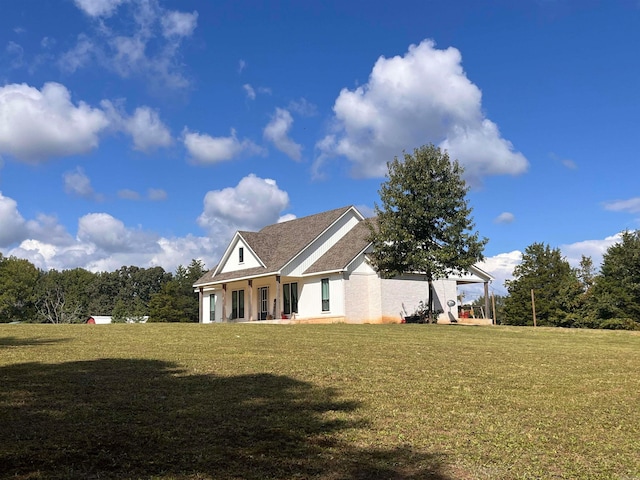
[(486, 299), (278, 313), (224, 302), (200, 300), (250, 282)]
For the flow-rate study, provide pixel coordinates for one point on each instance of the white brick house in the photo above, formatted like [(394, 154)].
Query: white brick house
[(315, 269)]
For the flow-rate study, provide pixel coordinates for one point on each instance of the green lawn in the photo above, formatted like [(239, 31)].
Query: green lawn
[(162, 401)]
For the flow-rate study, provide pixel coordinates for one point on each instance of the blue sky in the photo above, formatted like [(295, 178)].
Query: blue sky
[(145, 132)]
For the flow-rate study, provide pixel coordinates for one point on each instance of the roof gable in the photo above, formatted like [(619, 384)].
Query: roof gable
[(275, 245)]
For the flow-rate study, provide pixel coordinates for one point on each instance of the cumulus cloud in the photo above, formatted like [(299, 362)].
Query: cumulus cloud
[(110, 235), (631, 205), (205, 149), (505, 217), (147, 130), (250, 205), (144, 40), (277, 132), (423, 96), (38, 124), (77, 183), (595, 249), (14, 226)]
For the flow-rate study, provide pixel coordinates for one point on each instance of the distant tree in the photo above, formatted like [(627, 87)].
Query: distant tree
[(59, 298), (499, 301), (424, 224), (127, 290), (556, 287), (176, 301), (615, 296), (18, 279)]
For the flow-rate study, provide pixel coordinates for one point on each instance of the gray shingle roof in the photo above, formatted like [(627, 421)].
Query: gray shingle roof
[(277, 244), (344, 251)]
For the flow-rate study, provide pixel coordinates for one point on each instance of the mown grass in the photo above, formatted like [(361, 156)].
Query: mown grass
[(162, 401)]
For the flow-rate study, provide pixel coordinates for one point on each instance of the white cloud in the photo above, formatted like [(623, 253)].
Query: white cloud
[(127, 194), (156, 194), (179, 24), (38, 124), (147, 130), (79, 56), (277, 132), (110, 235), (303, 107), (205, 149), (98, 8), (251, 93), (590, 248), (505, 217), (631, 205), (252, 204), (421, 97), (241, 65), (14, 226), (144, 40), (78, 183)]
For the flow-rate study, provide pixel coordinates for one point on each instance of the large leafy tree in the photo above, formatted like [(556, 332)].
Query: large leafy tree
[(424, 222), (557, 290), (18, 279), (616, 290)]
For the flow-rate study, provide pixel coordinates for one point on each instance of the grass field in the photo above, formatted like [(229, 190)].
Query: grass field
[(163, 401)]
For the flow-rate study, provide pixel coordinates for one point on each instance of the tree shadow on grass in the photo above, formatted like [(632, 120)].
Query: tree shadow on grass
[(117, 418), (25, 342)]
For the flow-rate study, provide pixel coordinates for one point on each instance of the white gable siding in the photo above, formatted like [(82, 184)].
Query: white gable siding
[(232, 262), (320, 246)]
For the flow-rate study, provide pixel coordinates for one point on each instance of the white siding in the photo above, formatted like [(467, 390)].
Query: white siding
[(232, 262), (401, 296), (320, 246), (310, 301)]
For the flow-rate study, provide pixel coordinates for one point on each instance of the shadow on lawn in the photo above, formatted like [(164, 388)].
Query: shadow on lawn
[(24, 342), (142, 419)]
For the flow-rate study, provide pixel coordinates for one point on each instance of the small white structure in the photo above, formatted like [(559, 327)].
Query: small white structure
[(315, 269), (99, 319)]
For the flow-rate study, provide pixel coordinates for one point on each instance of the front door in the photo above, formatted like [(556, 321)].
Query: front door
[(263, 303)]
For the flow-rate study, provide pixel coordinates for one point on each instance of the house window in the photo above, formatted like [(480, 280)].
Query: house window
[(237, 304), (212, 308), (325, 294), (290, 294), (241, 255)]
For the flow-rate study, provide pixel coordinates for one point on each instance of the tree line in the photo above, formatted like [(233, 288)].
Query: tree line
[(28, 294), (581, 297)]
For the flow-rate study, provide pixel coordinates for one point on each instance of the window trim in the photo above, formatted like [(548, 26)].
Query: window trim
[(240, 254)]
